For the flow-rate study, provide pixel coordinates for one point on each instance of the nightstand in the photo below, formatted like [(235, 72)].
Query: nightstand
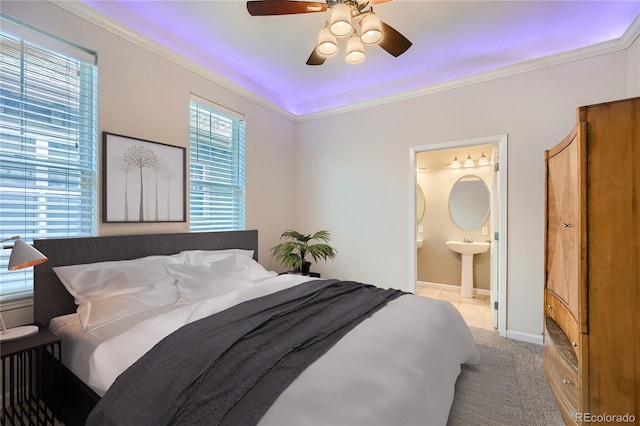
[(308, 274), (26, 366)]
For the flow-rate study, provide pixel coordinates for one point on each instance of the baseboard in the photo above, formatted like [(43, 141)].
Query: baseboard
[(525, 337), (451, 287)]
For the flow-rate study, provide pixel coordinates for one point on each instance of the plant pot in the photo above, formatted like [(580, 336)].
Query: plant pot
[(304, 269)]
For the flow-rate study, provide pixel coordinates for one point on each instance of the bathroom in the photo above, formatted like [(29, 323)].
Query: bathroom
[(438, 266)]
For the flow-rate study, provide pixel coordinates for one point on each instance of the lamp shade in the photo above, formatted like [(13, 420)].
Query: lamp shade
[(469, 162), (340, 23), (23, 255), (371, 29), (456, 163), (327, 44), (483, 161), (355, 51)]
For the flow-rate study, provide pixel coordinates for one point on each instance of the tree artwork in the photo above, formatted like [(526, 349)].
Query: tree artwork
[(159, 167), (159, 181), (140, 157), (121, 165)]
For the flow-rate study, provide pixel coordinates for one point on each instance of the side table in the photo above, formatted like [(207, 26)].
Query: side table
[(25, 365), (307, 274)]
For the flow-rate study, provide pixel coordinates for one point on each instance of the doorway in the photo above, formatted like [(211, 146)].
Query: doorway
[(441, 155)]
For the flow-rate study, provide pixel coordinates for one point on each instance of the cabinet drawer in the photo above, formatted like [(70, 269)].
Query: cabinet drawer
[(562, 316), (563, 380)]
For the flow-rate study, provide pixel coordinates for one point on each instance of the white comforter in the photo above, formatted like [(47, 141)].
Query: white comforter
[(397, 367)]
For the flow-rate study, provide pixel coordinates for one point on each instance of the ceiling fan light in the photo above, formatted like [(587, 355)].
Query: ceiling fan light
[(371, 29), (340, 23), (327, 44), (355, 51)]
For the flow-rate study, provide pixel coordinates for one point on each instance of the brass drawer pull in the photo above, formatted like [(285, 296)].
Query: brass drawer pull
[(566, 382), (566, 225), (549, 307), (574, 344)]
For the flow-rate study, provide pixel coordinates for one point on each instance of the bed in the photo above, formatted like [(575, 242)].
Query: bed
[(384, 357)]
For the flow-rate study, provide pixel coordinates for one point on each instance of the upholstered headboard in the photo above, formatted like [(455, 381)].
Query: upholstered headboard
[(51, 299)]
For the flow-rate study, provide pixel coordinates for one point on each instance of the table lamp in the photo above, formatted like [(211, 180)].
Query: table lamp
[(23, 255)]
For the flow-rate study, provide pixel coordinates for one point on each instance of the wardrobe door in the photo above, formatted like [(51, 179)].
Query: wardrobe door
[(614, 256), (564, 215)]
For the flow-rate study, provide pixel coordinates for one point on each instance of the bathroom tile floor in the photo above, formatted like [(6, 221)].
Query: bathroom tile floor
[(475, 311)]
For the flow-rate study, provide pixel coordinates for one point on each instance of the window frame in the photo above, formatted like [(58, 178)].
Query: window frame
[(217, 167), (48, 144)]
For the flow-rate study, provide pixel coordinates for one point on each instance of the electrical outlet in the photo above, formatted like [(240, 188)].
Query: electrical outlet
[(343, 275), (485, 230)]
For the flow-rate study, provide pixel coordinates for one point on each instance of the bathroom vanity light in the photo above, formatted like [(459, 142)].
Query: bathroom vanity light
[(469, 162), (483, 161), (456, 163)]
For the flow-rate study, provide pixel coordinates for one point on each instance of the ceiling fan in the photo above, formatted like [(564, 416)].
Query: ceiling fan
[(344, 13)]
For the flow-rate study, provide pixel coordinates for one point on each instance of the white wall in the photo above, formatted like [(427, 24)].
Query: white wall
[(144, 95), (353, 170)]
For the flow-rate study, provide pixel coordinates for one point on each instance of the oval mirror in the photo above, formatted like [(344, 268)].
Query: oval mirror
[(419, 204), (469, 202)]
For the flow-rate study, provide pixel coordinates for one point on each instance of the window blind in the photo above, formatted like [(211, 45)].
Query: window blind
[(48, 149), (216, 170)]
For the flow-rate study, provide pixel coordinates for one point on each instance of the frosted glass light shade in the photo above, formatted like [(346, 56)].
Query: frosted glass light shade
[(371, 29), (469, 162), (327, 44), (483, 161), (456, 163), (355, 51), (340, 24)]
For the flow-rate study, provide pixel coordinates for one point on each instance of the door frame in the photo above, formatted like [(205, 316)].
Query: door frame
[(499, 256)]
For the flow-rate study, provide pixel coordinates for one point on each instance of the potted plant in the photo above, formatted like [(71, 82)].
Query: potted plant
[(292, 253)]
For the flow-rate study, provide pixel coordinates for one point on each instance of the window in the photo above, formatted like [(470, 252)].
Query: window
[(216, 171), (48, 144)]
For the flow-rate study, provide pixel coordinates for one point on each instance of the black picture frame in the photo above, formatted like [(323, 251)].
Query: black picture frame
[(142, 180)]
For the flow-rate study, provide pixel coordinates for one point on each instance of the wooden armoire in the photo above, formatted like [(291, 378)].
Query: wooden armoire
[(591, 352)]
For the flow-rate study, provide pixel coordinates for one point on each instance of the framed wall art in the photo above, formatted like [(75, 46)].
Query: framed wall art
[(142, 181)]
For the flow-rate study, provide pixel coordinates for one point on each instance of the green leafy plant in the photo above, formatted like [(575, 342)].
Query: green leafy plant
[(292, 253)]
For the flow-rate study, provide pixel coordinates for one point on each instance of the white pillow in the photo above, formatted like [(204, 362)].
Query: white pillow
[(252, 270), (222, 276), (98, 312), (198, 282), (104, 279), (205, 257)]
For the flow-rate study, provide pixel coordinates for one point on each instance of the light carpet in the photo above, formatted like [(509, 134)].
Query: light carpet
[(508, 387)]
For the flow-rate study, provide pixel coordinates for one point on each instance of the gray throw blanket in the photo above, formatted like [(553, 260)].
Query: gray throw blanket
[(230, 367)]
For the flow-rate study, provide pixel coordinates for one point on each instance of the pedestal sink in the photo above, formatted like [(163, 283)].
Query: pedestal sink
[(467, 250)]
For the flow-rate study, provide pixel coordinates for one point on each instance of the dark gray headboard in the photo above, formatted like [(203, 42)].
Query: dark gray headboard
[(51, 299)]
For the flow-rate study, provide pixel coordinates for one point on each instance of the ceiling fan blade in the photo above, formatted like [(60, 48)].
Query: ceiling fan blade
[(393, 42), (283, 7), (316, 58)]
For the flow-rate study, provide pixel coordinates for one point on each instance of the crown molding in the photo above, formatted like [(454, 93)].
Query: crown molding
[(85, 12), (632, 33), (622, 43)]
